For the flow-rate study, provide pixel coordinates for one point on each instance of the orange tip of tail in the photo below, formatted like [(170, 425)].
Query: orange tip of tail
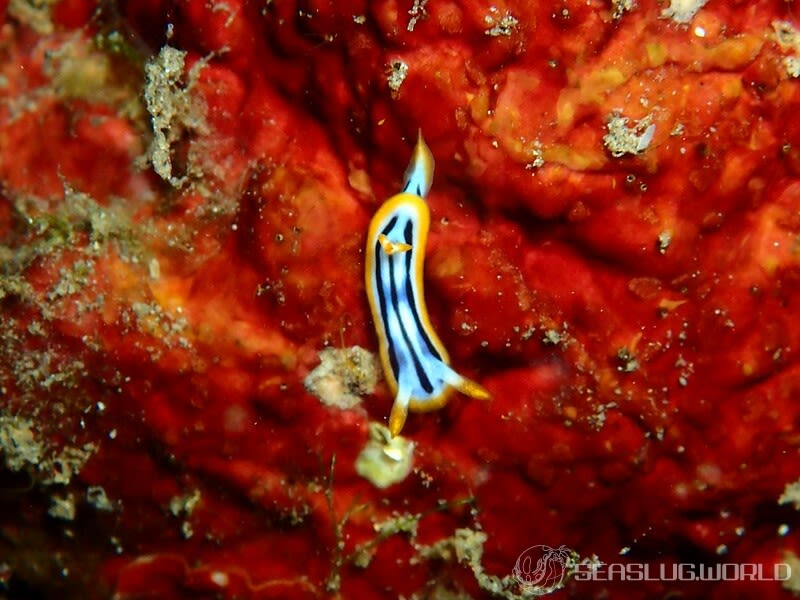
[(473, 389), (397, 418)]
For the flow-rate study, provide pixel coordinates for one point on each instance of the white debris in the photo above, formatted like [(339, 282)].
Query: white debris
[(396, 75), (96, 496), (154, 269), (417, 12), (23, 449), (537, 156), (184, 505), (664, 240), (620, 7), (18, 443), (343, 376), (788, 39), (622, 139), (173, 107), (500, 25), (62, 507), (791, 494), (683, 11), (67, 462), (385, 460)]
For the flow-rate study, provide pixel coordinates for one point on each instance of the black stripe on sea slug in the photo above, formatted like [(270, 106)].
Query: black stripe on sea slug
[(410, 293), (422, 376), (409, 184), (379, 256)]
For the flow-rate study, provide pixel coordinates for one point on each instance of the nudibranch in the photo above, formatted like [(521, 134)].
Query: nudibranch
[(415, 362)]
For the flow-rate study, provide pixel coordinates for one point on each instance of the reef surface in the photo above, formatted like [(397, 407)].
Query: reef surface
[(190, 401)]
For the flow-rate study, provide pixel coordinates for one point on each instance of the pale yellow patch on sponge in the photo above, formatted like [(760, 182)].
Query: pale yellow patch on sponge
[(386, 459)]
